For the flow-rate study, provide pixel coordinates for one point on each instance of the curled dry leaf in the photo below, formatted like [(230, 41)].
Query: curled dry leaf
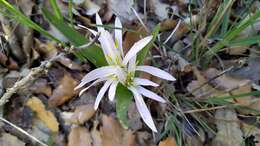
[(169, 141), (45, 116), (112, 134), (64, 91), (229, 132), (82, 114), (79, 136)]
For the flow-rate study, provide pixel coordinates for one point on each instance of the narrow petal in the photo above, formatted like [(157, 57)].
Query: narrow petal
[(138, 46), (109, 48), (145, 82), (95, 74), (99, 22), (156, 72), (143, 110), (112, 91), (92, 84), (132, 64), (101, 93), (150, 94), (118, 35)]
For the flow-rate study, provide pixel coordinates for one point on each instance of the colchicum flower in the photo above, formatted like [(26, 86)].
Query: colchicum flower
[(121, 69)]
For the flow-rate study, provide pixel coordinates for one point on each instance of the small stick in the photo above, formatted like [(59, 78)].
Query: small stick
[(205, 109), (23, 131)]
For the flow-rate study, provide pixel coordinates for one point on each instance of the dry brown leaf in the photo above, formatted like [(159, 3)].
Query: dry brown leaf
[(47, 49), (132, 37), (169, 141), (113, 134), (69, 63), (63, 92), (224, 85), (79, 136), (229, 132), (198, 89), (82, 114), (95, 134), (41, 86), (233, 85), (47, 117)]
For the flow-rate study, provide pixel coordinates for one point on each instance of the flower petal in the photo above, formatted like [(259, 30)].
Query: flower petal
[(150, 94), (118, 35), (112, 91), (95, 74), (132, 65), (156, 72), (145, 82), (101, 93), (138, 46), (99, 22), (143, 110), (92, 84), (108, 46)]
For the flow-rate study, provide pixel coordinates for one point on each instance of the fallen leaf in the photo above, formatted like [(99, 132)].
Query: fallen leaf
[(47, 117), (47, 49), (123, 9), (69, 63), (10, 140), (79, 136), (229, 132), (95, 134), (169, 141), (41, 86), (64, 91), (230, 84), (198, 89), (82, 114), (132, 37), (160, 9), (112, 134)]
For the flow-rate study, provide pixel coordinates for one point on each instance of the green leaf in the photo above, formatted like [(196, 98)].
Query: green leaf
[(123, 99), (93, 53), (124, 96)]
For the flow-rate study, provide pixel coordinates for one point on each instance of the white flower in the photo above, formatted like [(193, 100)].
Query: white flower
[(121, 69)]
